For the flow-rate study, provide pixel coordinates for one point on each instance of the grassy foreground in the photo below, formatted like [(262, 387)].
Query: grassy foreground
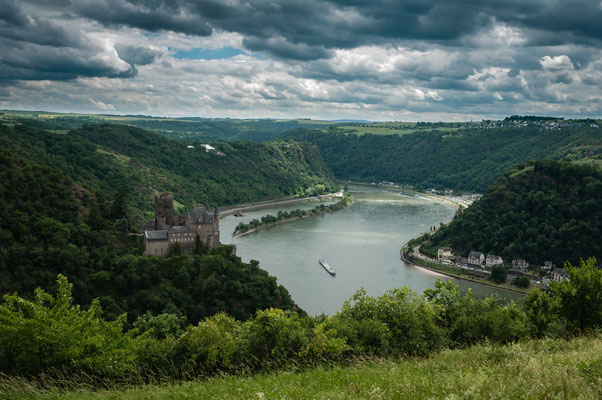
[(539, 369)]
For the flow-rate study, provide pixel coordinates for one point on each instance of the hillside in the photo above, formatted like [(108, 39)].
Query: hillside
[(70, 202), (109, 158), (572, 370), (465, 159), (539, 211)]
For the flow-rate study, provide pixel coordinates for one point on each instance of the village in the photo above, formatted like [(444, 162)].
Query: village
[(478, 265)]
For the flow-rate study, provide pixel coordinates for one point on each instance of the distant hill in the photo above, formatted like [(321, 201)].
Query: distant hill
[(539, 211), (185, 128), (464, 159), (108, 158)]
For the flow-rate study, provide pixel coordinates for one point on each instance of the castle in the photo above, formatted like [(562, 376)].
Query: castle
[(168, 229)]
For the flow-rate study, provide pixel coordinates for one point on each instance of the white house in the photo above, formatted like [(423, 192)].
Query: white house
[(476, 258), (492, 260), (444, 254), (519, 264), (558, 275)]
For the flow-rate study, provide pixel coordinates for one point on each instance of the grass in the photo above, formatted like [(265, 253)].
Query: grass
[(539, 369)]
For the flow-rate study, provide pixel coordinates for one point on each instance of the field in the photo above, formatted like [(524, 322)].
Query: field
[(216, 129), (543, 369)]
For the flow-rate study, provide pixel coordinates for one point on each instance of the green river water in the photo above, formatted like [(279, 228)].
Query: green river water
[(360, 242)]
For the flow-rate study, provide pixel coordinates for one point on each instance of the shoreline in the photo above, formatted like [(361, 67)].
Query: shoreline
[(269, 203), (459, 277), (297, 218), (260, 227)]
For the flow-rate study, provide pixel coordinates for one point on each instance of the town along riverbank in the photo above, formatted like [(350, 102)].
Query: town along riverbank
[(414, 258), (286, 216)]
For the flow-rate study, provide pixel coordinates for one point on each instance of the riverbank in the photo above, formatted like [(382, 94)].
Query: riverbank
[(269, 203), (270, 220), (445, 271), (260, 227)]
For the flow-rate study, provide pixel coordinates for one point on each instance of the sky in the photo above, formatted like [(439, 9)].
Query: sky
[(380, 60)]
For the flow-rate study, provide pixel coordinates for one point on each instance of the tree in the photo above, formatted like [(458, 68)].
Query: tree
[(200, 248), (580, 296), (52, 332), (522, 281), (498, 274), (119, 206), (160, 326), (175, 250)]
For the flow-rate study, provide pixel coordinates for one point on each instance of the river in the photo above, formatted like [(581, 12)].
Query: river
[(360, 242)]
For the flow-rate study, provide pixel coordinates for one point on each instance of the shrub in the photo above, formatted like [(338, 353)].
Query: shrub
[(51, 333), (275, 336)]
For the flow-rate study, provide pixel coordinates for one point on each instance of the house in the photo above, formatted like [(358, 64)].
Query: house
[(559, 275), (519, 264), (445, 254), (547, 265), (476, 258), (492, 260)]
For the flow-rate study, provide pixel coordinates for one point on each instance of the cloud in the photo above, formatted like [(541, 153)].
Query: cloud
[(329, 59), (557, 62)]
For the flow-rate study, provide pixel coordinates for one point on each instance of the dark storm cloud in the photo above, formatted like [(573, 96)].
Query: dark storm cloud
[(304, 29), (150, 15), (34, 62), (38, 46), (16, 24)]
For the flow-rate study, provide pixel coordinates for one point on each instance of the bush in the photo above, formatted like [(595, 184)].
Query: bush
[(580, 298), (214, 345), (51, 333)]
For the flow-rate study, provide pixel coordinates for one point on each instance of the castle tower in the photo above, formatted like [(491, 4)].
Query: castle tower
[(164, 218)]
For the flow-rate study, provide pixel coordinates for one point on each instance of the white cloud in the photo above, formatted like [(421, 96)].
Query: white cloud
[(557, 62), (102, 106)]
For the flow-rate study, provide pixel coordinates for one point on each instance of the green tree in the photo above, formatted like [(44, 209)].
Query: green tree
[(52, 332), (498, 274), (160, 326), (580, 297), (522, 281)]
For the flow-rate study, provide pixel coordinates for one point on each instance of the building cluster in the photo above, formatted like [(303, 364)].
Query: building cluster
[(550, 124), (168, 229), (482, 265)]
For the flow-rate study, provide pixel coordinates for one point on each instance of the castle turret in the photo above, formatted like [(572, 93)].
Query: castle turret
[(164, 217)]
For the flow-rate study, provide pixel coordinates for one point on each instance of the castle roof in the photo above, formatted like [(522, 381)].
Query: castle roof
[(200, 215), (156, 235), (181, 229)]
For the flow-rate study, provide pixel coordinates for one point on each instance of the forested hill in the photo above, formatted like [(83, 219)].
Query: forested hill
[(542, 210), (470, 159), (109, 158), (60, 221)]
